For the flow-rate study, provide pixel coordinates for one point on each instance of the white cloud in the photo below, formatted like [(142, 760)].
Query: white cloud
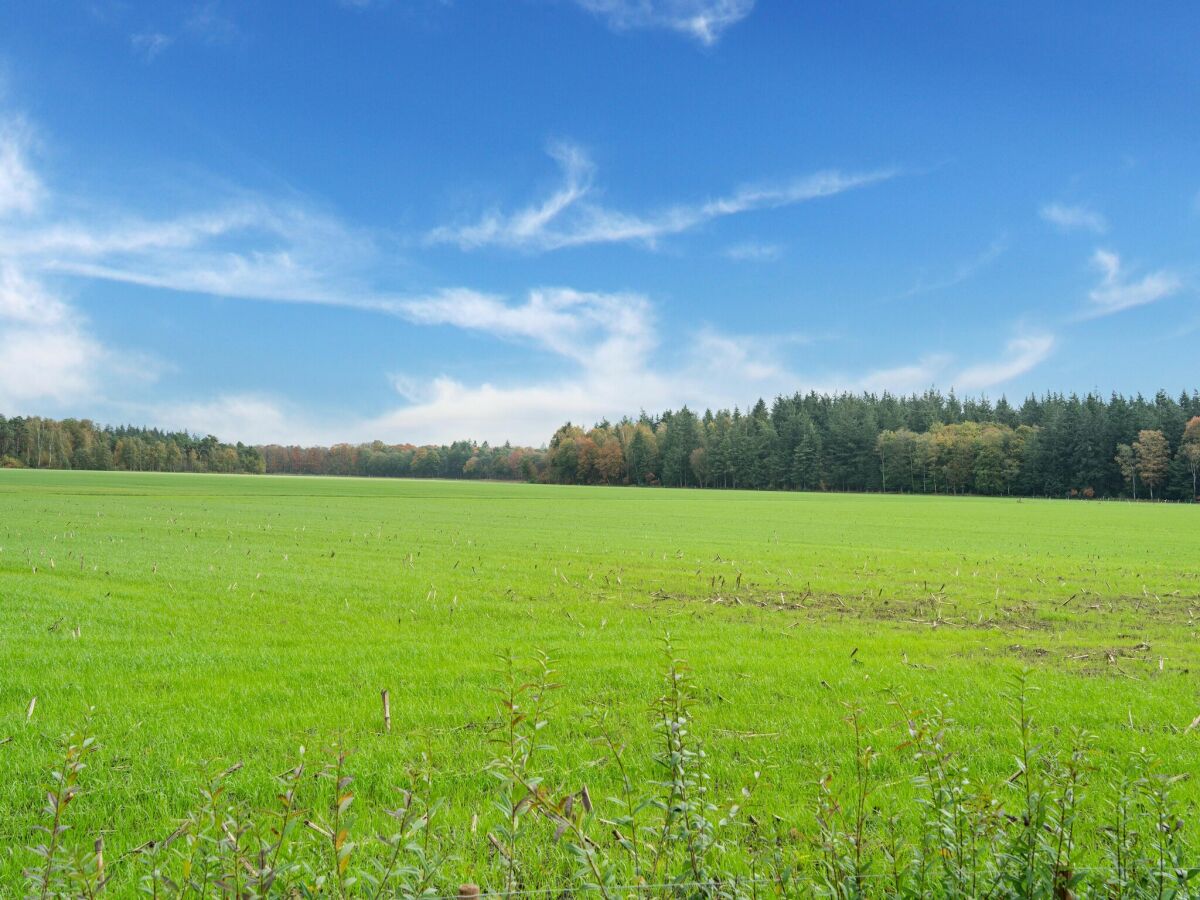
[(703, 20), (901, 379), (37, 365), (568, 218), (1021, 355), (1074, 218), (529, 224), (744, 357), (208, 24), (1115, 292), (250, 418), (753, 251), (605, 344), (46, 356), (20, 188), (608, 354), (964, 271), (149, 44), (49, 360), (24, 301), (525, 414), (203, 23), (248, 248), (602, 332), (708, 369)]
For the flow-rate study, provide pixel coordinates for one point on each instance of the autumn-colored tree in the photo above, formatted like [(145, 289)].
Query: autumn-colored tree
[(586, 452), (1052, 445), (610, 461), (1189, 449), (562, 458), (1153, 458), (427, 462)]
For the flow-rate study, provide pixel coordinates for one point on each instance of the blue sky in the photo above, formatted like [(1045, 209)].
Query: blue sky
[(420, 220)]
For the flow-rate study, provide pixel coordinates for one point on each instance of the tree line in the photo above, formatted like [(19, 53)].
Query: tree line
[(1054, 445), (462, 459), (37, 443)]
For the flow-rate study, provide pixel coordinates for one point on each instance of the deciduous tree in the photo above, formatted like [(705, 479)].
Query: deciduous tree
[(1189, 449), (1153, 455)]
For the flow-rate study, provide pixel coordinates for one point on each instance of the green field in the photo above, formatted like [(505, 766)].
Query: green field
[(238, 618)]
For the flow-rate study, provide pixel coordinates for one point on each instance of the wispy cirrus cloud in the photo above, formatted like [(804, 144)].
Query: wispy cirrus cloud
[(46, 352), (205, 23), (603, 332), (569, 217), (609, 362), (753, 251), (1117, 292), (248, 247), (20, 187), (960, 273), (150, 44), (1021, 354), (24, 301), (613, 344), (715, 370), (209, 24), (703, 20), (1074, 218), (604, 351)]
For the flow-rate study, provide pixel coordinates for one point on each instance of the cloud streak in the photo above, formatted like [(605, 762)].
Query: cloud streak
[(962, 272), (1021, 355), (569, 217), (753, 251), (605, 349), (20, 188), (248, 248), (621, 367), (1073, 218), (702, 20), (1116, 292), (150, 44)]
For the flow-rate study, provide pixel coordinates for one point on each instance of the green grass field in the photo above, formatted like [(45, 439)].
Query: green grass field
[(238, 618)]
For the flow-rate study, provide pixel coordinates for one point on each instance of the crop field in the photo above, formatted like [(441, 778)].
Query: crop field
[(214, 620)]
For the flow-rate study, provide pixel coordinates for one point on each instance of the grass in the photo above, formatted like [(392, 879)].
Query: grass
[(213, 620)]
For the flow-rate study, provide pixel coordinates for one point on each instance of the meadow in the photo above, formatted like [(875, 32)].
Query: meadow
[(213, 620)]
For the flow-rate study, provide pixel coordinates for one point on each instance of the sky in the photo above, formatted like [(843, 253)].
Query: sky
[(426, 220)]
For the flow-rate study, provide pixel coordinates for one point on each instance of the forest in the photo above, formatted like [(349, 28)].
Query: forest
[(1055, 445), (37, 443)]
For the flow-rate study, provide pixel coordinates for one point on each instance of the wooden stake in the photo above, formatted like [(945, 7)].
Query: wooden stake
[(387, 710)]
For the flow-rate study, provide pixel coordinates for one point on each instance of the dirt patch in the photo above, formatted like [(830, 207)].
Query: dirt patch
[(933, 612)]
